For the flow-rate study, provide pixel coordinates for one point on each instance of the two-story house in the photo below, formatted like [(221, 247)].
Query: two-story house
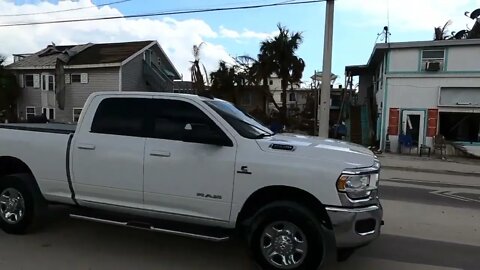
[(421, 90), (57, 80)]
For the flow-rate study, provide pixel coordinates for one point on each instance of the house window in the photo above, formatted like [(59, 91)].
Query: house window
[(76, 78), (271, 82), (30, 112), (49, 113), (433, 60), (76, 114), (48, 82), (292, 97), (29, 80)]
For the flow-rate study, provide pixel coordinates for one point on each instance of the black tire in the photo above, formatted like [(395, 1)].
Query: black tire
[(317, 236), (34, 205)]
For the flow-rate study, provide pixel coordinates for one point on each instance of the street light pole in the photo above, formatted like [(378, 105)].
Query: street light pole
[(324, 110)]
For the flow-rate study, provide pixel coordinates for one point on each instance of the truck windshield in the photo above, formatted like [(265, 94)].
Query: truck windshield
[(243, 123)]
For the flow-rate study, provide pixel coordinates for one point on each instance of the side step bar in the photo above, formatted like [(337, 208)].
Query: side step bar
[(147, 226)]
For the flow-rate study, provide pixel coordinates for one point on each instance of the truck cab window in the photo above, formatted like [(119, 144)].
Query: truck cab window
[(121, 116), (171, 117)]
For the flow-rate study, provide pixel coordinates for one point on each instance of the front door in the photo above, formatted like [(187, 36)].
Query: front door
[(413, 125), (183, 176)]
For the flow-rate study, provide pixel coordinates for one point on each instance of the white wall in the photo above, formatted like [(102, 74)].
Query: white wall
[(464, 58), (417, 92), (402, 60)]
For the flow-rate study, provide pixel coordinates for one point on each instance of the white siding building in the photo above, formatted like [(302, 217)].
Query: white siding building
[(421, 90)]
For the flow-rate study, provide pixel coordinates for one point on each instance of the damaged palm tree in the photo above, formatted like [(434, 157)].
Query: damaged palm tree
[(196, 70), (441, 32)]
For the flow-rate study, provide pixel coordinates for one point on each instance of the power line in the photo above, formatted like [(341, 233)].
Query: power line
[(63, 10), (287, 3)]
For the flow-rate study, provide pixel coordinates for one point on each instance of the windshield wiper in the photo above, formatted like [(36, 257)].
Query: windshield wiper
[(263, 135)]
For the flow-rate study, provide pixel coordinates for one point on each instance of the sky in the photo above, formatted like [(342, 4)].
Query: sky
[(232, 33)]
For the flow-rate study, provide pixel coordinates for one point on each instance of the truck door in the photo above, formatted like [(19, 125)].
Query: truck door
[(189, 162), (108, 151)]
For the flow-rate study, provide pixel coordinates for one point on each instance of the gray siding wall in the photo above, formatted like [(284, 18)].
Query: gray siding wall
[(100, 79), (132, 75), (29, 97)]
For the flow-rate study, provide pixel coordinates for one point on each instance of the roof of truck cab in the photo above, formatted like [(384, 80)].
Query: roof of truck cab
[(159, 94)]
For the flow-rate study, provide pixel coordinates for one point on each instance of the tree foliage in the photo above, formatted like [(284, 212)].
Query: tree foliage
[(440, 32), (9, 92), (197, 68), (278, 56)]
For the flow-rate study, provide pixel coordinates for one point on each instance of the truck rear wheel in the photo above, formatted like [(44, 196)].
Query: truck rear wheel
[(286, 235), (19, 206)]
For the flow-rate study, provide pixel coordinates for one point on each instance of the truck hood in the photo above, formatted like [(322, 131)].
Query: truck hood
[(301, 146)]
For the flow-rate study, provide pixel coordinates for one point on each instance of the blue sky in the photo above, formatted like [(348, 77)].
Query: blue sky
[(357, 23)]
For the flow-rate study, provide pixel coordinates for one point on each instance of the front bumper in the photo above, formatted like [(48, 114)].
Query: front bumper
[(355, 227)]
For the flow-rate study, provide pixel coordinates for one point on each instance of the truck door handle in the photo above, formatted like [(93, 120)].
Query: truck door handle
[(86, 146), (160, 154)]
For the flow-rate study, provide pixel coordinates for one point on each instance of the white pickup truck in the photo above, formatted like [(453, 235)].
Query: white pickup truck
[(194, 166)]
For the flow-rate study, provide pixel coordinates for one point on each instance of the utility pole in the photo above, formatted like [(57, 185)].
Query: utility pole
[(324, 111)]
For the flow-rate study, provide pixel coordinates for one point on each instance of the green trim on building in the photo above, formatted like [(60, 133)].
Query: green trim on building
[(384, 108), (438, 72), (445, 64), (384, 115), (419, 69), (425, 120)]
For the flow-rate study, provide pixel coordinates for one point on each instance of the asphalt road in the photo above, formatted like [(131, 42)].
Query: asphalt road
[(432, 222)]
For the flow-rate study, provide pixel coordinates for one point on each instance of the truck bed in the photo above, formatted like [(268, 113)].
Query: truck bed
[(47, 128)]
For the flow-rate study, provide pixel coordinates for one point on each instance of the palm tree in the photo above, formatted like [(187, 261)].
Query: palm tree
[(257, 72), (278, 55), (225, 82), (196, 71), (441, 32)]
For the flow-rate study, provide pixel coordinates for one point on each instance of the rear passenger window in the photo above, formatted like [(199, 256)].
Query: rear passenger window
[(121, 116)]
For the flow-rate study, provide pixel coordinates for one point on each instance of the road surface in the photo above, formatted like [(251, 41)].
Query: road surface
[(431, 222)]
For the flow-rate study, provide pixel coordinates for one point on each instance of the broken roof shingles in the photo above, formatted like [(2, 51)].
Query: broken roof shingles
[(35, 60), (88, 54), (107, 53)]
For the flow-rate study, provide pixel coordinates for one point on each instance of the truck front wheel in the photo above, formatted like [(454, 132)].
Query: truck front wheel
[(286, 235), (17, 204)]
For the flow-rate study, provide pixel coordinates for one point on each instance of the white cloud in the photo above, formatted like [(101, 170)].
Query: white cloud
[(224, 32), (409, 15), (175, 36), (245, 34)]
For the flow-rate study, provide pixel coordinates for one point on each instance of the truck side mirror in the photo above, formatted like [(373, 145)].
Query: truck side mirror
[(203, 133)]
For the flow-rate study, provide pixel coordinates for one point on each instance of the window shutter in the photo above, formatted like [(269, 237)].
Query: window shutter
[(36, 80), (67, 78), (21, 80), (84, 78), (393, 121)]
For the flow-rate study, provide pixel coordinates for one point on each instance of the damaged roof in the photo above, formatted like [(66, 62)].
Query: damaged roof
[(88, 54)]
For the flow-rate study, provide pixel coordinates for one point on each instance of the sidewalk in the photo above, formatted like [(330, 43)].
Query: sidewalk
[(451, 166)]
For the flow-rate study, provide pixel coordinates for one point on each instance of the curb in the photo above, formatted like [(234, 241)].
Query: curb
[(411, 169)]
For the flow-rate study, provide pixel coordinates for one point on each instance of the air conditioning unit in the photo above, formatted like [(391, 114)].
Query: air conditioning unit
[(433, 66)]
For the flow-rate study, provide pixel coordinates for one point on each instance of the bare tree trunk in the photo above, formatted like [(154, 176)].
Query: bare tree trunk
[(284, 102)]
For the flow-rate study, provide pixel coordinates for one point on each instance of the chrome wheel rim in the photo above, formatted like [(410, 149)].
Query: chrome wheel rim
[(283, 245), (12, 206)]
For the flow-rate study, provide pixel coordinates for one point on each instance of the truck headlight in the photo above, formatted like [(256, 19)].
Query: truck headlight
[(357, 186)]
